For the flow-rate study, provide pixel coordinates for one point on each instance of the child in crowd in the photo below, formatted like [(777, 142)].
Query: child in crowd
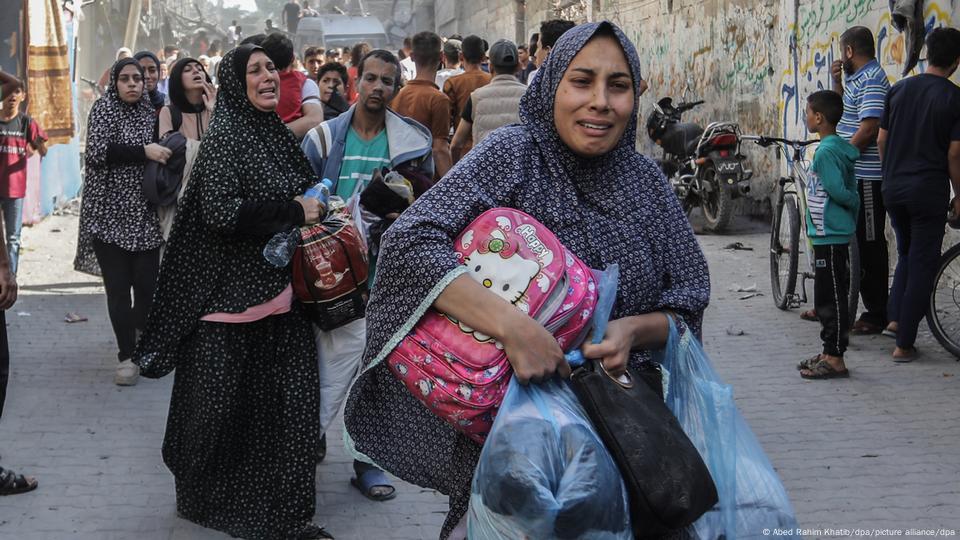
[(20, 138), (832, 206)]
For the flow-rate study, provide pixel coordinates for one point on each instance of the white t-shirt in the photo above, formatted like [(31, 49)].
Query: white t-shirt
[(310, 91), (445, 74), (409, 69)]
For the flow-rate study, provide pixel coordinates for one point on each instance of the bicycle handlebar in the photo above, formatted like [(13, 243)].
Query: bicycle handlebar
[(770, 141), (684, 107)]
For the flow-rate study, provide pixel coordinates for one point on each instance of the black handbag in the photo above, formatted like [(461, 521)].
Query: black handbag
[(669, 485)]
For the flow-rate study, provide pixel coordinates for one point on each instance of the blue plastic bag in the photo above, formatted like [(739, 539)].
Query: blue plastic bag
[(752, 498), (544, 472)]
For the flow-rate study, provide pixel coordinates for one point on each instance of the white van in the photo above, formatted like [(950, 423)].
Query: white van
[(340, 31)]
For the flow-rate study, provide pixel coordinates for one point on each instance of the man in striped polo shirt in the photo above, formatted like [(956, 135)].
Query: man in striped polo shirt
[(864, 94)]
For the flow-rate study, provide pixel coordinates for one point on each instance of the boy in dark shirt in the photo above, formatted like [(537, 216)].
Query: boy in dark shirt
[(20, 137), (919, 144), (832, 206)]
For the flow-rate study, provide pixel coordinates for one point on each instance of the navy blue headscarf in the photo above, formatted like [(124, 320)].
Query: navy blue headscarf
[(157, 98), (614, 208)]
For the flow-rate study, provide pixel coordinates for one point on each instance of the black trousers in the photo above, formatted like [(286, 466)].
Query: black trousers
[(831, 286), (874, 256), (122, 271), (4, 360), (919, 230)]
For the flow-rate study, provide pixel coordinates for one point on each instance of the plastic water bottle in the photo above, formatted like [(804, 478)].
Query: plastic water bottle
[(321, 191), (279, 250)]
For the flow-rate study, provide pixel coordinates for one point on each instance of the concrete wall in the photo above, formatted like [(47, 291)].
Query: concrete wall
[(753, 61), (489, 19)]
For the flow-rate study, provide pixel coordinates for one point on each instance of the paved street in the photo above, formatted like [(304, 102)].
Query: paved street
[(880, 450)]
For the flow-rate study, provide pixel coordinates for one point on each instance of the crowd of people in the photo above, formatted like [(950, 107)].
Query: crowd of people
[(547, 127), (189, 291), (884, 152)]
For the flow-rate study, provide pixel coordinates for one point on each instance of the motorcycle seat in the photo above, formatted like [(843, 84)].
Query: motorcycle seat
[(681, 139)]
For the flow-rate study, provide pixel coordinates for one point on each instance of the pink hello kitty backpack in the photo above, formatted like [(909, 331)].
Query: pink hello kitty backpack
[(461, 374)]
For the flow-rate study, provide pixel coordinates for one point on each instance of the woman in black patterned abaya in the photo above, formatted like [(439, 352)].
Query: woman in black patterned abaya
[(242, 432)]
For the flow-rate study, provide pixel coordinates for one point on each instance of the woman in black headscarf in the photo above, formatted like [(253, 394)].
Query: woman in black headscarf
[(242, 432), (571, 164), (151, 78), (119, 231), (192, 100)]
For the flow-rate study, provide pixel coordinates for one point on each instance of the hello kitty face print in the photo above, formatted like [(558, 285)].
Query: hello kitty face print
[(511, 255), (506, 274)]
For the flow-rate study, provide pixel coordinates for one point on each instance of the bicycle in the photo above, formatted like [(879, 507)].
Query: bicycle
[(788, 234), (943, 312)]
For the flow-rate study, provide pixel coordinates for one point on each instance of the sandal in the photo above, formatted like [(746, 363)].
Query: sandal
[(370, 481), (824, 370), (809, 315), (864, 328), (908, 355), (313, 532), (12, 483), (808, 363)]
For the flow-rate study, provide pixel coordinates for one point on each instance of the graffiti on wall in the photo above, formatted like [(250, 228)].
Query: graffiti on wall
[(756, 61), (814, 45), (727, 56)]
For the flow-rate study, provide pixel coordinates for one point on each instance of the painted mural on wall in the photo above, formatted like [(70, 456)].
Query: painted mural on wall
[(755, 61), (816, 46), (728, 56)]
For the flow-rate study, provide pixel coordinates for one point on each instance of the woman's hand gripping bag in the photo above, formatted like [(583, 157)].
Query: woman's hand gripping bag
[(544, 473), (461, 374), (751, 497)]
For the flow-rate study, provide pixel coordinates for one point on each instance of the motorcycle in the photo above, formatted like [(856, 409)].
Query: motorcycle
[(704, 166)]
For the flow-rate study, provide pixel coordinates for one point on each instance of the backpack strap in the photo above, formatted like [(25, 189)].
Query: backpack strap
[(25, 122)]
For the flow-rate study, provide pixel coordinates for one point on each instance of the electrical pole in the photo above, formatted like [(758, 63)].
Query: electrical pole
[(133, 24)]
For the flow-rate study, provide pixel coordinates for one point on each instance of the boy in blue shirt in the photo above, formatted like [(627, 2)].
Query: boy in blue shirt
[(832, 206)]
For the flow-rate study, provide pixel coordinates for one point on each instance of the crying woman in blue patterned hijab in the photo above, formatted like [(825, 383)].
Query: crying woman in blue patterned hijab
[(572, 164)]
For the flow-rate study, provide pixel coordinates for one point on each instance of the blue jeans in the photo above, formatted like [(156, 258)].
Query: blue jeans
[(12, 225)]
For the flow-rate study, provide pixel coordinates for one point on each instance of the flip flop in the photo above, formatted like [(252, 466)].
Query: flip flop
[(809, 315), (823, 370), (889, 333), (808, 363), (12, 483), (374, 478), (907, 358), (864, 328)]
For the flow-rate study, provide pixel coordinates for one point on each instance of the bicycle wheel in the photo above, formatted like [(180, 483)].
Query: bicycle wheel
[(784, 250), (853, 266), (943, 313)]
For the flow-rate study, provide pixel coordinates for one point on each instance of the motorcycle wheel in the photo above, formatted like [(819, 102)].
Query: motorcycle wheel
[(717, 204), (687, 205)]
